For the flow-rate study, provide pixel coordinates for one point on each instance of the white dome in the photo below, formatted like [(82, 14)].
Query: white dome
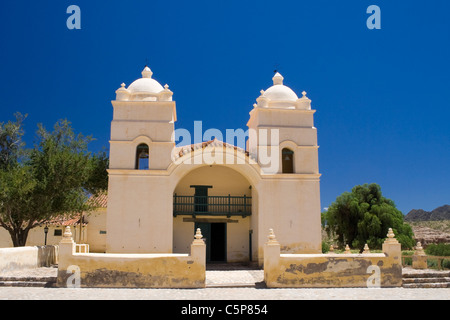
[(280, 92), (146, 84), (278, 96), (144, 89)]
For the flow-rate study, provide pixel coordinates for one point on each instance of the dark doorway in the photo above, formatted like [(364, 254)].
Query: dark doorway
[(201, 198), (218, 242), (215, 236)]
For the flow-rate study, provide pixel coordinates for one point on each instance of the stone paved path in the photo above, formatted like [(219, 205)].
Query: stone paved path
[(237, 278), (221, 285), (38, 272), (14, 293)]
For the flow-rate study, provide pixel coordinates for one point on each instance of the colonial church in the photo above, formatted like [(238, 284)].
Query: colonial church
[(160, 193)]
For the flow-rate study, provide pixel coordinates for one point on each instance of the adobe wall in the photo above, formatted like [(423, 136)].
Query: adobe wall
[(90, 270), (332, 270), (27, 258)]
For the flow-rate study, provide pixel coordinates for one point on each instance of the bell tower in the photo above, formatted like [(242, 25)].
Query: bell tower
[(142, 132), (283, 141), (142, 125), (282, 134)]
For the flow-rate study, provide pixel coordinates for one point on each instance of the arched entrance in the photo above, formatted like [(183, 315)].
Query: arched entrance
[(219, 200)]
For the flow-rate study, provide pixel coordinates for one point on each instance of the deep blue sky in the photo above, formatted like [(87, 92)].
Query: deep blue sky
[(382, 96)]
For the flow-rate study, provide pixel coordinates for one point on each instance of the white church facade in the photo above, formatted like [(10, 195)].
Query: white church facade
[(159, 193), (170, 210)]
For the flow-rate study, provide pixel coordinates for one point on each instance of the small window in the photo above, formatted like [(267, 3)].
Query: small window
[(142, 157), (287, 160), (57, 232), (102, 232)]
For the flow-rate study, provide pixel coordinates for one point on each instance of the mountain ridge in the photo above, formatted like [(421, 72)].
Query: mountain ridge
[(440, 213)]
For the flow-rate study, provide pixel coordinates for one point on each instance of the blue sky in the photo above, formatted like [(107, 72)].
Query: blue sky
[(381, 95)]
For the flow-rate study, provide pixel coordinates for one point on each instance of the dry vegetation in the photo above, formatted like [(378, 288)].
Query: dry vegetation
[(431, 231)]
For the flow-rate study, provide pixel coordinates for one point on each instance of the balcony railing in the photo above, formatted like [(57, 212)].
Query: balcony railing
[(212, 205)]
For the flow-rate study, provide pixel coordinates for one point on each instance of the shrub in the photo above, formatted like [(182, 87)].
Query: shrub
[(325, 247), (363, 216), (441, 249), (446, 264)]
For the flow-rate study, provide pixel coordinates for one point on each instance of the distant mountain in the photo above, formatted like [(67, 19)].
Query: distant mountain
[(441, 213)]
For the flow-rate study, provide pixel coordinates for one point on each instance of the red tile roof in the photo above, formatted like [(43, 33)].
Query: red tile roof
[(100, 201), (64, 222)]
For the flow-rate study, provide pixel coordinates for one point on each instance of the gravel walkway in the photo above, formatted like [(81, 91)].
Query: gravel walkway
[(14, 293), (221, 285)]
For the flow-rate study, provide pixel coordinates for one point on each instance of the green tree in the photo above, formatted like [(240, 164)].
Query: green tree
[(11, 144), (364, 216), (56, 177)]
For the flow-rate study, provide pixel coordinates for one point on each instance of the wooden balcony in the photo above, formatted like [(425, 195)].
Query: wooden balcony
[(212, 205)]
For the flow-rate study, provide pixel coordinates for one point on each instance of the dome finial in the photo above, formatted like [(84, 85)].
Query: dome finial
[(147, 73), (277, 79)]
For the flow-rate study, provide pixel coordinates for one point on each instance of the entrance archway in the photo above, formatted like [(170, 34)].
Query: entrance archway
[(219, 200)]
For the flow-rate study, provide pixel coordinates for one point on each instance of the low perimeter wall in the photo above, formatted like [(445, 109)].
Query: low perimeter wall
[(131, 270), (12, 259), (333, 270)]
